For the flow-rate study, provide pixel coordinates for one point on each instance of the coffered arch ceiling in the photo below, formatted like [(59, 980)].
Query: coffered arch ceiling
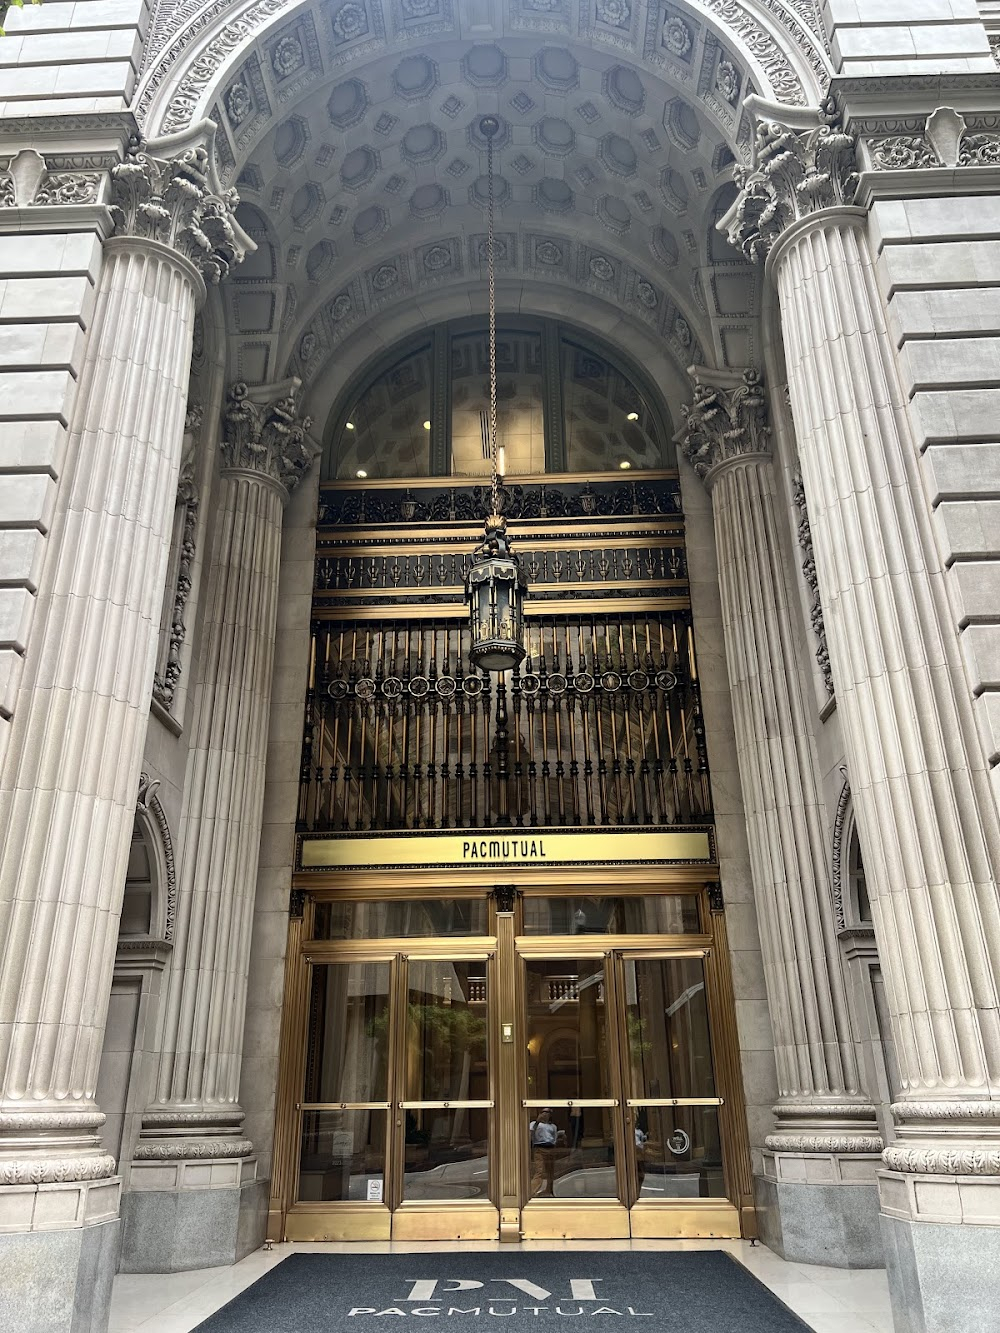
[(351, 132)]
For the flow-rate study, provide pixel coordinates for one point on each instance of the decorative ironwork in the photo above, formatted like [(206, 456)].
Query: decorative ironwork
[(504, 895), (364, 507), (551, 569), (602, 726), (716, 902)]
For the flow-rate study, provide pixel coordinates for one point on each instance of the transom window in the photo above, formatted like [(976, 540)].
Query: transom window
[(564, 404)]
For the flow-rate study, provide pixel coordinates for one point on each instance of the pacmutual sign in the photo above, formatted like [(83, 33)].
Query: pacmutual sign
[(502, 1298), (511, 847)]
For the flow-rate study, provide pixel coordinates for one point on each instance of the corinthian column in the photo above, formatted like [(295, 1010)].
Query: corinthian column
[(68, 788), (927, 817), (822, 1110), (196, 1116)]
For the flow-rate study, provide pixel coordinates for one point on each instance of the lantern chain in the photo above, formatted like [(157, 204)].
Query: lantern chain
[(489, 128)]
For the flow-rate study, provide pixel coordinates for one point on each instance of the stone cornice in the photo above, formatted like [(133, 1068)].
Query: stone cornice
[(263, 433), (167, 190), (727, 420)]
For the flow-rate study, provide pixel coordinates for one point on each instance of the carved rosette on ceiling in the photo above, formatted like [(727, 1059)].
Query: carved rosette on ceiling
[(724, 423), (267, 437), (172, 200), (795, 173)]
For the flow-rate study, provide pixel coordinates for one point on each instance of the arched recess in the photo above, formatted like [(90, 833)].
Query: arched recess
[(145, 938), (429, 360), (352, 128), (856, 932)]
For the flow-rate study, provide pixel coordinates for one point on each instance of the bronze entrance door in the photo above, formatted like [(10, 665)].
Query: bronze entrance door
[(504, 1078)]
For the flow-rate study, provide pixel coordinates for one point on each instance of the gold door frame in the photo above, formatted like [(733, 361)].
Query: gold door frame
[(511, 1215)]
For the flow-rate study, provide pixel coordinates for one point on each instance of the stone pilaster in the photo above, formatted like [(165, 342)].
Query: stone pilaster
[(927, 817), (823, 1113), (67, 792), (196, 1118)]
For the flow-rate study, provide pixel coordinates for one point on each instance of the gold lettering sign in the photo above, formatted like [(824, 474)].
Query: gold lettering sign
[(534, 847)]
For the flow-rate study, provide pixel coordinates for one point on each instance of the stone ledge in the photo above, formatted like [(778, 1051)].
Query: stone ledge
[(956, 1200), (81, 1203)]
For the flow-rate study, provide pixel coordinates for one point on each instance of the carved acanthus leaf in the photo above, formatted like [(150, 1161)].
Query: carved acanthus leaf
[(824, 1143), (186, 1149), (794, 174), (268, 437), (55, 1170), (172, 200), (943, 1161), (725, 422)]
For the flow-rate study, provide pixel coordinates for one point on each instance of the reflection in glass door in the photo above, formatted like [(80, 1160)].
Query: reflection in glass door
[(396, 1117), (446, 1103), (343, 1114), (672, 1108), (560, 1084)]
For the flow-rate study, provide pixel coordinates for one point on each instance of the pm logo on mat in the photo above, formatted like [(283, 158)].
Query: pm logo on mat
[(430, 1297)]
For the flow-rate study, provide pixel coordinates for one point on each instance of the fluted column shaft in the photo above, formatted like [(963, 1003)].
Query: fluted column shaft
[(68, 795), (196, 1111), (822, 1106), (928, 819)]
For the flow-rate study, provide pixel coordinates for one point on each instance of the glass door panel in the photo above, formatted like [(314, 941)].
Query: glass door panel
[(673, 1109), (342, 1117), (571, 1111), (445, 1109)]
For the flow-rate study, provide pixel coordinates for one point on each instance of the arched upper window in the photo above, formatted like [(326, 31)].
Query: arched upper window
[(861, 907), (565, 403), (139, 901)]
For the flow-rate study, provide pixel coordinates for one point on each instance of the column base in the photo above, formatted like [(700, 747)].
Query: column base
[(820, 1208), (58, 1255), (942, 1249), (200, 1214)]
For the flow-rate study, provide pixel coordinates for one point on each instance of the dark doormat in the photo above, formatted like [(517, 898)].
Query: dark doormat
[(612, 1291)]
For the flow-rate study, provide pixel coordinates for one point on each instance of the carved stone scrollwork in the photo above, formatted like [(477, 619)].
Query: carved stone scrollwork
[(148, 803), (267, 437), (812, 583), (795, 173), (723, 423), (174, 200), (166, 680)]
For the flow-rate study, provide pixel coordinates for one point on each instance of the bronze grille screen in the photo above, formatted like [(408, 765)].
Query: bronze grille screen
[(602, 723)]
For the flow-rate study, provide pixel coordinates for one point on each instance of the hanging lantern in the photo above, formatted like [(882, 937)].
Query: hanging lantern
[(495, 587), (495, 584)]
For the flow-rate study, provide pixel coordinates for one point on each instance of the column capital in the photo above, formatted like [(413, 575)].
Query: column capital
[(803, 162), (167, 190), (263, 432), (727, 419)]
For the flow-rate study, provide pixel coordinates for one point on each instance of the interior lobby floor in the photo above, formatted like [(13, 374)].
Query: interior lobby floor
[(829, 1300)]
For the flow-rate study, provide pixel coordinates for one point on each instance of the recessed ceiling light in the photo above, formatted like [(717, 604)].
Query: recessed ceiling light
[(632, 416), (624, 464), (361, 473), (427, 425), (349, 425)]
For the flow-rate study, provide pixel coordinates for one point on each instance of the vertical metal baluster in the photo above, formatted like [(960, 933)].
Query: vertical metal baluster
[(598, 696), (627, 701), (672, 761), (432, 703), (420, 703), (543, 703), (362, 706)]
